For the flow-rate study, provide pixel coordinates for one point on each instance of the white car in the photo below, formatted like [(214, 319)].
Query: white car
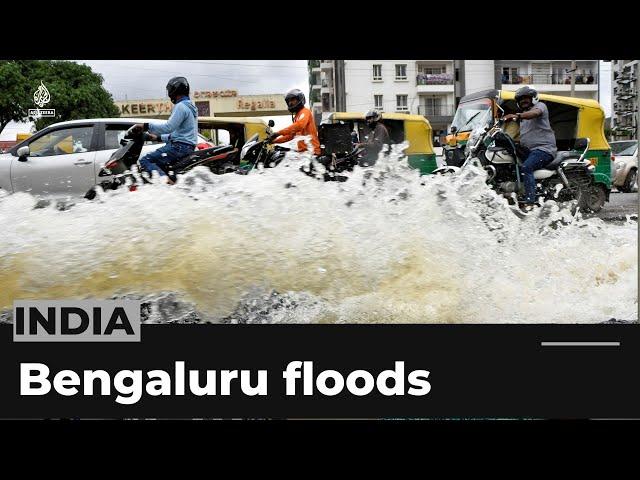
[(65, 158), (624, 154)]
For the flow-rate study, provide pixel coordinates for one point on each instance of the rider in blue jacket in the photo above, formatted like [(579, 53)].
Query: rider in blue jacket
[(180, 132)]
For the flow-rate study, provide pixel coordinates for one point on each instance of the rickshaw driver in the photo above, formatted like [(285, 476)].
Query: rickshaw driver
[(536, 136), (378, 137)]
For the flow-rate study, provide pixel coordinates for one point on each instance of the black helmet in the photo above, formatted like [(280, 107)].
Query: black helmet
[(177, 86), (295, 93), (372, 116), (526, 92)]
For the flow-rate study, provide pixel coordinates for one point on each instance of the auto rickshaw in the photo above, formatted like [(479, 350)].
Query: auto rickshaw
[(415, 129), (570, 118), (238, 129)]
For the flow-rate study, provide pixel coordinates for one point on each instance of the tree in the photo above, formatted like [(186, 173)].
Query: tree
[(76, 91)]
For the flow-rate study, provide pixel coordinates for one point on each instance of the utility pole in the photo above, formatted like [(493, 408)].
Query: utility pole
[(573, 78)]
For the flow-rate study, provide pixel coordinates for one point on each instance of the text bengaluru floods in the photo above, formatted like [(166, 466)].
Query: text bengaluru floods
[(36, 379)]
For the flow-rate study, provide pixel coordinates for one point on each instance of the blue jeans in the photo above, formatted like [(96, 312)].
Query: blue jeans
[(165, 156), (536, 160)]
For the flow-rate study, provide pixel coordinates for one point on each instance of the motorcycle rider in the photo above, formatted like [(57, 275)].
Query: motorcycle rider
[(378, 137), (536, 136), (180, 132), (303, 123)]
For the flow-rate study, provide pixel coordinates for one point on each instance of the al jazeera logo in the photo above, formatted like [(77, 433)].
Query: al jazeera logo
[(41, 97)]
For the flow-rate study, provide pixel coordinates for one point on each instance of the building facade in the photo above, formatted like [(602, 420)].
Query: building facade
[(433, 88), (624, 99), (219, 103)]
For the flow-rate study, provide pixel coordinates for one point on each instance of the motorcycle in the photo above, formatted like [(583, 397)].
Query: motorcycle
[(256, 152), (567, 178), (117, 172)]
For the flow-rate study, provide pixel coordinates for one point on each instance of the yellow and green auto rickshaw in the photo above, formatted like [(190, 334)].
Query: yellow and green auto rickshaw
[(415, 129), (237, 129), (570, 118)]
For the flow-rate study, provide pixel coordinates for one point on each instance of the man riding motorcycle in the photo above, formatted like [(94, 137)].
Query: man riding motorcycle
[(536, 136), (303, 123), (180, 132), (378, 137)]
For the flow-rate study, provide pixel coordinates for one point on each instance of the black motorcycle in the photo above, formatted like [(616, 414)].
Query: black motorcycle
[(567, 178), (335, 157), (118, 170)]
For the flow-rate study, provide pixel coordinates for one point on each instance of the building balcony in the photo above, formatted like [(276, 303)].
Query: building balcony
[(434, 82), (555, 82), (315, 87), (437, 113), (326, 66)]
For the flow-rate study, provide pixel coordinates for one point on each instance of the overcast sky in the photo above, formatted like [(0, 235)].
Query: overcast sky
[(144, 79)]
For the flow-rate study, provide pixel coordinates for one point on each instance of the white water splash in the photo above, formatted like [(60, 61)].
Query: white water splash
[(385, 246)]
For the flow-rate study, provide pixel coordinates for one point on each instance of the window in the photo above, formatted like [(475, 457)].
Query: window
[(401, 71), (377, 73), (432, 105), (115, 132), (510, 75), (401, 103), (377, 102), (62, 142), (431, 69)]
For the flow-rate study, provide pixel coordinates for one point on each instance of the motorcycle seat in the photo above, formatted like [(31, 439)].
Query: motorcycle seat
[(561, 157)]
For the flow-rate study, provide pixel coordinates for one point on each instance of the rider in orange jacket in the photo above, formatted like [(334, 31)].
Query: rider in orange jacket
[(303, 123)]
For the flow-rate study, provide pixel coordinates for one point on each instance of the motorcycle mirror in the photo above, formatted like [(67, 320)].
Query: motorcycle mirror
[(453, 129), (272, 123)]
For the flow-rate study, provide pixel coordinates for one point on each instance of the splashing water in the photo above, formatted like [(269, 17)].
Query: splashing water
[(280, 246)]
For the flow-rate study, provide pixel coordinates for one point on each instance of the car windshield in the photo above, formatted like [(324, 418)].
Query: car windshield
[(624, 148), (471, 115)]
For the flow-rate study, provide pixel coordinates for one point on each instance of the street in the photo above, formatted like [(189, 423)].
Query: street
[(620, 205)]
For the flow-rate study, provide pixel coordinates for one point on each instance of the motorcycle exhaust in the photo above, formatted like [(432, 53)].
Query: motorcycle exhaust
[(491, 170)]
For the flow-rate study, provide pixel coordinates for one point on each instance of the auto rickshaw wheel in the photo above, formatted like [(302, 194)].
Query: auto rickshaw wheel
[(593, 198)]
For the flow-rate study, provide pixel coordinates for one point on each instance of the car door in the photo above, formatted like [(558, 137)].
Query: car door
[(111, 134), (60, 161)]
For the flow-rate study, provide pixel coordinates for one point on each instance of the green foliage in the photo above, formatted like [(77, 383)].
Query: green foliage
[(76, 91)]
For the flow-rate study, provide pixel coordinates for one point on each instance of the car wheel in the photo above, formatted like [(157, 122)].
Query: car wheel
[(630, 181)]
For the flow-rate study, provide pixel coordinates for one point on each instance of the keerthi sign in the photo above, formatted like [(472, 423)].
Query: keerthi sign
[(144, 108), (223, 104)]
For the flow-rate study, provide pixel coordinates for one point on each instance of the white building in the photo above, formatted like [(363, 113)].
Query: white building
[(624, 95), (433, 88), (550, 76)]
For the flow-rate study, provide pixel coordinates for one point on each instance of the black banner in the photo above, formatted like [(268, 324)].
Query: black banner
[(474, 371)]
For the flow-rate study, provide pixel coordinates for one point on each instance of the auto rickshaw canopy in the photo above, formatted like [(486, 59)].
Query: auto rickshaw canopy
[(416, 129)]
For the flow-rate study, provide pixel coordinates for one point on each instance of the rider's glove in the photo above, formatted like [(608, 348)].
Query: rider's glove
[(272, 137)]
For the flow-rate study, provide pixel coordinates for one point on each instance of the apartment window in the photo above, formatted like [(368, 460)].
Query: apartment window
[(377, 73), (431, 69), (401, 103), (377, 102), (401, 71), (510, 75), (432, 106)]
